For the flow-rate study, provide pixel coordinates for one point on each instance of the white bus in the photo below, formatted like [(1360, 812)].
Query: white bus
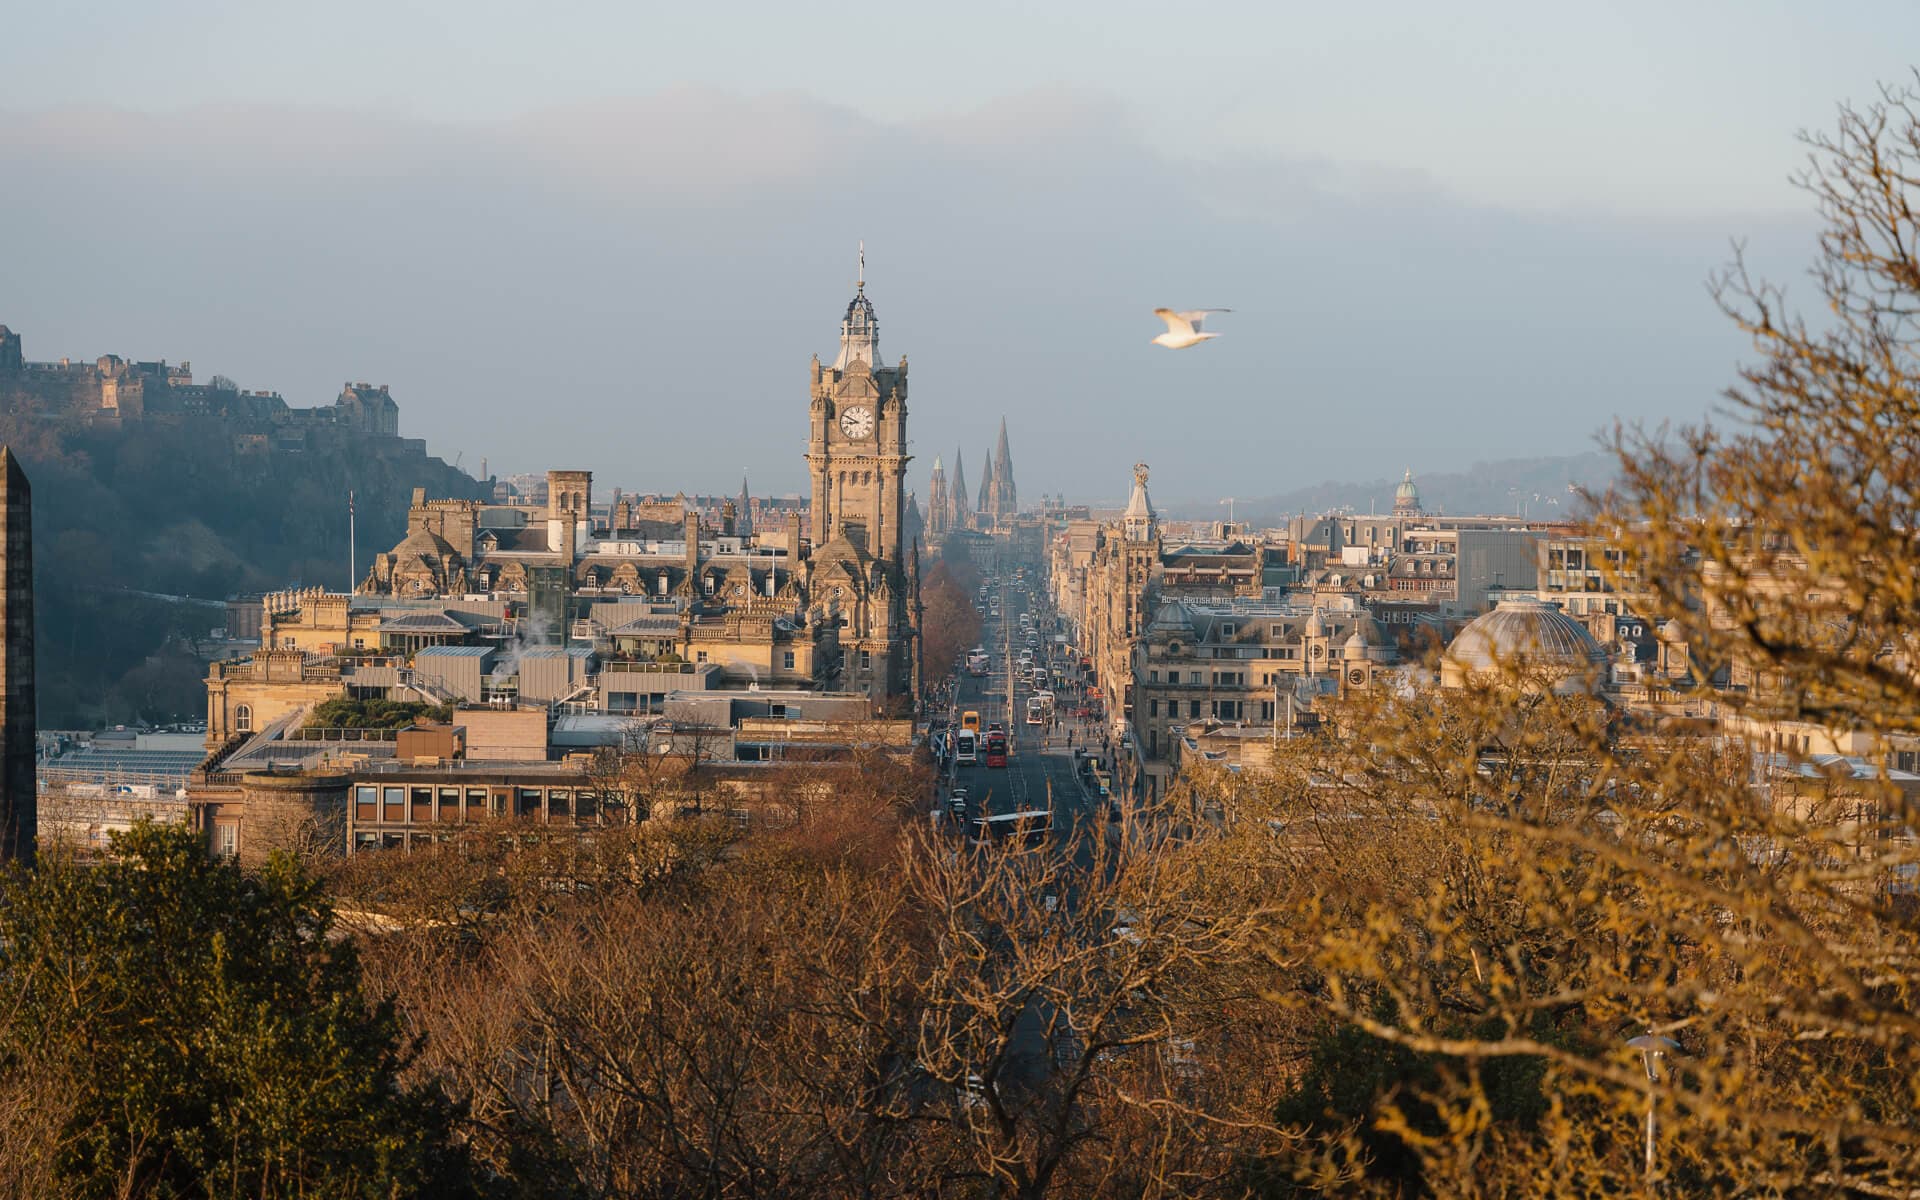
[(1036, 711), (966, 745), (1030, 827)]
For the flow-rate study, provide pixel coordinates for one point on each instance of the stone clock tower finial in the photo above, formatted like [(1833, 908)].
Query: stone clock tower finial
[(860, 280)]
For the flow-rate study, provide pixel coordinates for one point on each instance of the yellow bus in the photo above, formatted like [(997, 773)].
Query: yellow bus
[(970, 719)]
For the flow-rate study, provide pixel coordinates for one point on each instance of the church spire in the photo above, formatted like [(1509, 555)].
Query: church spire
[(1006, 501), (957, 494)]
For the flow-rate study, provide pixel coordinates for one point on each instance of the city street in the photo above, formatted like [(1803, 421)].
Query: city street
[(1039, 774)]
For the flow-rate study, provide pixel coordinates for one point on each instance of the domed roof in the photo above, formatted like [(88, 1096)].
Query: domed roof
[(1171, 620), (860, 307), (1406, 490), (424, 542), (1526, 634)]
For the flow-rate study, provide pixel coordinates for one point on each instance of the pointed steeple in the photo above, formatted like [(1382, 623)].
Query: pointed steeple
[(744, 522), (984, 505), (957, 496), (1006, 500)]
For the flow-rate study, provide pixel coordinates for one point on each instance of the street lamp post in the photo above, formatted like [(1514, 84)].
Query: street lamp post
[(1652, 1048)]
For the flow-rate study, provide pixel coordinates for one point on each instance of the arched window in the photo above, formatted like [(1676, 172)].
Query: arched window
[(243, 719)]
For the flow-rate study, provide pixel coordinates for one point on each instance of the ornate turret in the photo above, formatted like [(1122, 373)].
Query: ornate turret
[(1141, 522), (859, 329)]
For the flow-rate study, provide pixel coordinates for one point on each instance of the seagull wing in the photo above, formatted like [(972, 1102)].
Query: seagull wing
[(1181, 323), (1194, 316)]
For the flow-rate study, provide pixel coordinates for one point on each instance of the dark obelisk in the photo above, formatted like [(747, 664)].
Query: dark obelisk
[(19, 804)]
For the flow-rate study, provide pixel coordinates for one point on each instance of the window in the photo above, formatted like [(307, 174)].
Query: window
[(243, 719), (662, 583), (529, 802), (1193, 708), (1226, 629), (699, 656), (422, 805), (1173, 677), (709, 585), (449, 809), (476, 803), (786, 659), (1153, 676), (866, 660), (1153, 708), (226, 836), (393, 804)]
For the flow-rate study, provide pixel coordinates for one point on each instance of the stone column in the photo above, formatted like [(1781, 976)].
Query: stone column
[(19, 803)]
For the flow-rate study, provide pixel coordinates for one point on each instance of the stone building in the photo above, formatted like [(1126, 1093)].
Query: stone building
[(857, 461), (1238, 662)]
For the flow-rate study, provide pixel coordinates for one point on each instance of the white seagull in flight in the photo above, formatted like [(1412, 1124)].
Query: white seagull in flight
[(1183, 328)]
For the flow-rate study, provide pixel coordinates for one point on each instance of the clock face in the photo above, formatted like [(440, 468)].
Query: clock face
[(857, 422)]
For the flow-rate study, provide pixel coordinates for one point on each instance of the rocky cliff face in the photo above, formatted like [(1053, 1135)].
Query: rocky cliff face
[(193, 506)]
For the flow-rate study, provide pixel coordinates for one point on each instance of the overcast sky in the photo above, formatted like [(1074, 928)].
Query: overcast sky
[(611, 235)]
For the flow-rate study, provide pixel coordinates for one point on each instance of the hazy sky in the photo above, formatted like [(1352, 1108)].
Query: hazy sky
[(611, 235)]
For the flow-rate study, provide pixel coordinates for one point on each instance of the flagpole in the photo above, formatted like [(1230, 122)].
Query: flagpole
[(353, 559)]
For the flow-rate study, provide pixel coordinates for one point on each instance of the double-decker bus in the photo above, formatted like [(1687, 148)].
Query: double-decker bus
[(977, 663), (996, 750), (966, 744), (1036, 711)]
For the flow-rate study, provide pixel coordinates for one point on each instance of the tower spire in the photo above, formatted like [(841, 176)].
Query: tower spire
[(860, 280)]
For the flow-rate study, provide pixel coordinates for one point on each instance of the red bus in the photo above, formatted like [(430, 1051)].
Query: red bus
[(996, 750)]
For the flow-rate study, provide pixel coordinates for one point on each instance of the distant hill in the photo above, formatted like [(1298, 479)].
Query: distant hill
[(185, 507), (1537, 486)]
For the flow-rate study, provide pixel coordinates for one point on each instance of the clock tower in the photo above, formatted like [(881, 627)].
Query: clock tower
[(857, 464), (857, 454)]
